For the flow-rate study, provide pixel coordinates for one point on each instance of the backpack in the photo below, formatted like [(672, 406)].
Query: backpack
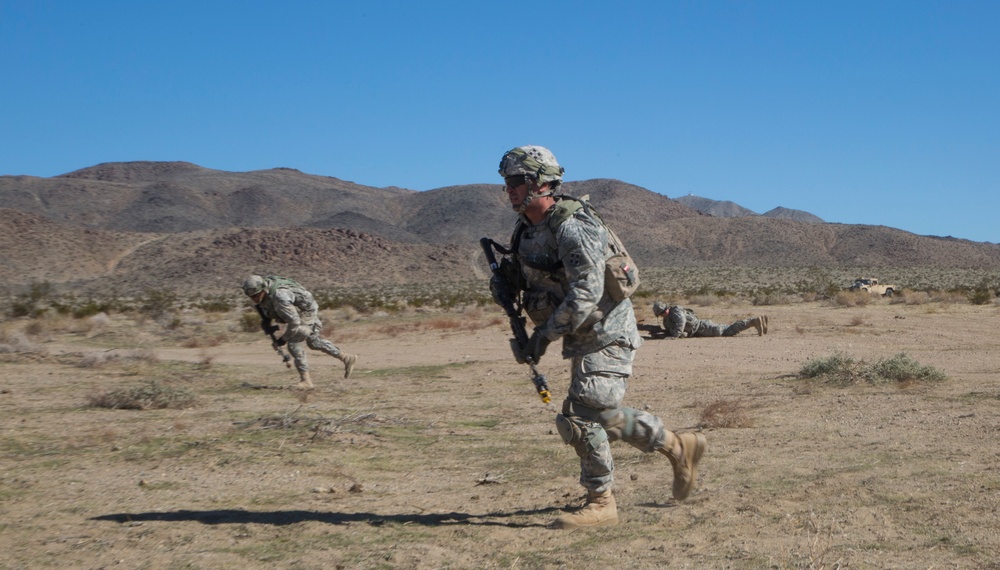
[(621, 276)]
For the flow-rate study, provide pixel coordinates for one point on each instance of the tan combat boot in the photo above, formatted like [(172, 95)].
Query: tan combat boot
[(600, 510), (763, 320), (348, 360), (758, 323), (305, 382), (684, 455)]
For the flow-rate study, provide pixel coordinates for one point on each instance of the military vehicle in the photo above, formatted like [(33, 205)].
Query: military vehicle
[(871, 285)]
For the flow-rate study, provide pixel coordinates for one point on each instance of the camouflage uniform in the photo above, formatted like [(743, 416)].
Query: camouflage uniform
[(561, 251), (289, 303), (599, 337), (681, 322)]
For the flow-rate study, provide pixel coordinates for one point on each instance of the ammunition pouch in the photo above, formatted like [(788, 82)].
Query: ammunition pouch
[(539, 305)]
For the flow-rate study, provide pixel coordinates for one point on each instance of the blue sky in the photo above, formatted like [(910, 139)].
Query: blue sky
[(860, 112)]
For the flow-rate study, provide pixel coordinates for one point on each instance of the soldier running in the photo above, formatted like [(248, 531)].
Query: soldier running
[(283, 300), (560, 265)]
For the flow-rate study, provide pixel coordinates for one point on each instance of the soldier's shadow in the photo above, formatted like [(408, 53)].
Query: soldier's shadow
[(654, 331), (282, 518)]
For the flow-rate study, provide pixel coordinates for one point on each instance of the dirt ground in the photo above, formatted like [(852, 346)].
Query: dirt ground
[(438, 454)]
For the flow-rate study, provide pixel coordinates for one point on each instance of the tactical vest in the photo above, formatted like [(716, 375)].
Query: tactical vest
[(621, 276), (278, 282)]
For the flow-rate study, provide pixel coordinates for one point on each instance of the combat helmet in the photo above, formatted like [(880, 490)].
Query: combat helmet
[(535, 162), (254, 285), (659, 308)]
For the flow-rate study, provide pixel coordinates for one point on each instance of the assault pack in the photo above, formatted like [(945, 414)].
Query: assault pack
[(278, 282), (621, 276)]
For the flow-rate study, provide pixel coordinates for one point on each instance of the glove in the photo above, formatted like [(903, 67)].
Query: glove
[(280, 342), (536, 347), (269, 329)]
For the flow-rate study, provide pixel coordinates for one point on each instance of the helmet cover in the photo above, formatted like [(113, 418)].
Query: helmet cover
[(659, 308), (536, 162), (253, 285)]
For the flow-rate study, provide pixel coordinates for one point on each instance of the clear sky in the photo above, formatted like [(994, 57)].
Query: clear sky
[(860, 112)]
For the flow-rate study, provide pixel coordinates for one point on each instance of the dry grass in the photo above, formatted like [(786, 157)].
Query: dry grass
[(150, 395), (107, 357), (459, 466), (852, 299), (725, 413)]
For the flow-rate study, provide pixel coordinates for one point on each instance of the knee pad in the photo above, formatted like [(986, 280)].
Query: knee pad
[(570, 433), (639, 429), (621, 422), (583, 438)]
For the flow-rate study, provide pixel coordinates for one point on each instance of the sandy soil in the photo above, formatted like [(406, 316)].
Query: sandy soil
[(438, 454)]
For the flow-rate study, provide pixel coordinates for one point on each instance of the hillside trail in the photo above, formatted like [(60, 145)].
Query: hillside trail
[(114, 261)]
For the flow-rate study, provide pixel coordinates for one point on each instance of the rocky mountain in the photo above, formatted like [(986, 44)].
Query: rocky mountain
[(795, 215), (717, 208), (141, 225), (727, 209)]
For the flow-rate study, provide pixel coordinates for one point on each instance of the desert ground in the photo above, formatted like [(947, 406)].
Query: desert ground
[(437, 453)]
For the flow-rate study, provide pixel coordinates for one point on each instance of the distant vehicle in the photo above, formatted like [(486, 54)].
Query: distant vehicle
[(871, 285)]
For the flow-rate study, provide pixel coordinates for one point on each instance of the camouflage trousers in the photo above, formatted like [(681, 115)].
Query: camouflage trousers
[(308, 335), (708, 328), (593, 413)]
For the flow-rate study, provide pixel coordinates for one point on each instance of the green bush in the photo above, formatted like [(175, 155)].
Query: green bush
[(842, 370), (902, 368)]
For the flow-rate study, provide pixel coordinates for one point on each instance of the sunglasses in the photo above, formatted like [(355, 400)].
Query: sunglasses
[(514, 181)]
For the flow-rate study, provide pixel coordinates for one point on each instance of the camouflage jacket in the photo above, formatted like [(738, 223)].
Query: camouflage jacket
[(288, 302), (565, 297), (680, 322)]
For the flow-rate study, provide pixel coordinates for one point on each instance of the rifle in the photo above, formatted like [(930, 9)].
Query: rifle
[(514, 315), (264, 322)]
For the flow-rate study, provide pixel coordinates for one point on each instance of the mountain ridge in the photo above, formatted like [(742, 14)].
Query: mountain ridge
[(134, 226)]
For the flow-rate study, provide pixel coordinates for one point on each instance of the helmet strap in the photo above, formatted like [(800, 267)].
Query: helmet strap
[(531, 195)]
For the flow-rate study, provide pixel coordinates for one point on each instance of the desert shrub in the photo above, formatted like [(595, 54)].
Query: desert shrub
[(89, 309), (100, 359), (158, 304), (902, 368), (250, 321), (770, 298), (34, 303), (981, 294), (725, 414), (842, 370), (149, 396), (218, 304), (912, 297), (852, 298)]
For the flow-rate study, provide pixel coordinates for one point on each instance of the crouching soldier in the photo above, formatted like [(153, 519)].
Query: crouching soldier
[(285, 301)]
